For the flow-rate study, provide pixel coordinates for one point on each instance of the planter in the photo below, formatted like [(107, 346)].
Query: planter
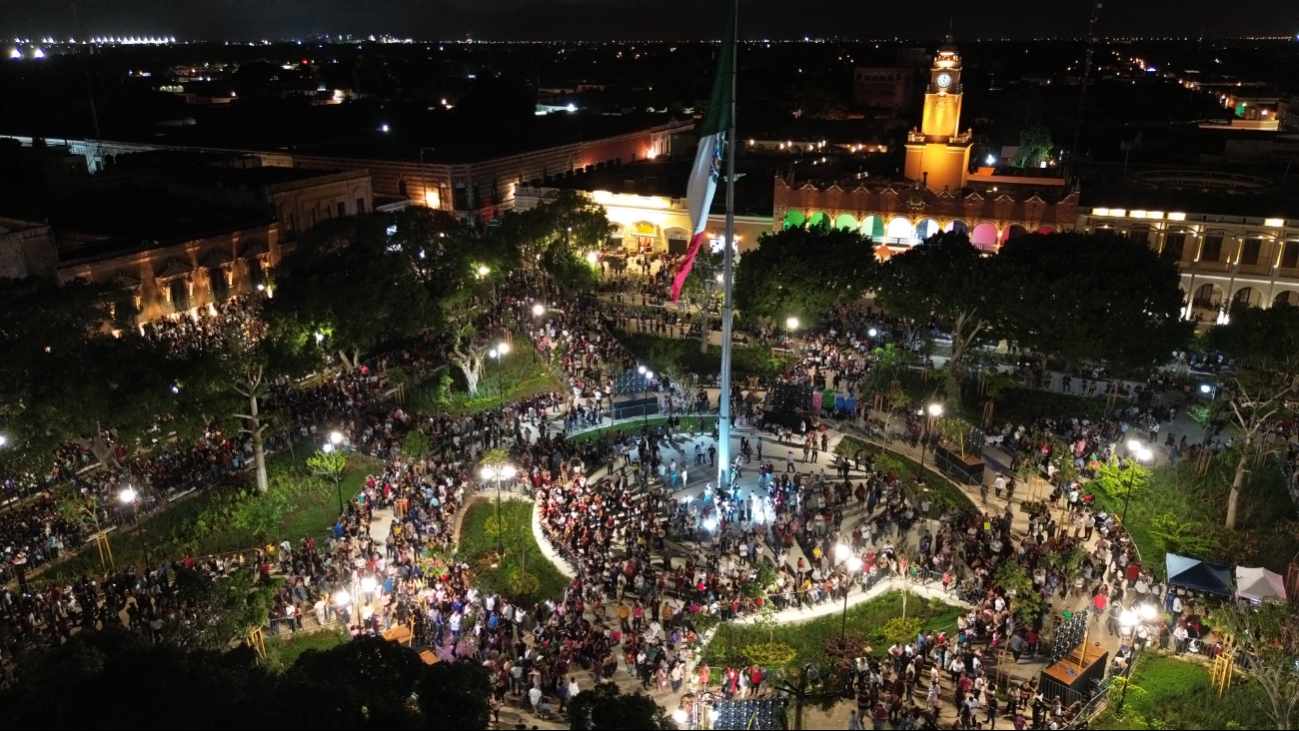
[(967, 469)]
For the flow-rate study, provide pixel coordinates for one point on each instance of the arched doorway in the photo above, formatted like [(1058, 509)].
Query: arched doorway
[(1045, 230), (873, 228), (845, 222), (926, 228), (984, 236), (1207, 296), (958, 227), (820, 218), (646, 236), (678, 240), (794, 219), (1286, 297), (1013, 231), (1247, 297), (900, 231)]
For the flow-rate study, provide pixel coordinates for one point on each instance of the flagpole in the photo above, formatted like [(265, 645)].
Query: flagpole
[(728, 276)]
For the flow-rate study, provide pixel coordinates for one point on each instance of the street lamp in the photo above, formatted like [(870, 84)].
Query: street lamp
[(647, 376), (499, 472), (483, 270), (538, 310), (935, 411), (129, 496), (342, 600), (680, 716), (843, 553), (872, 332), (1137, 452), (498, 353), (335, 440)]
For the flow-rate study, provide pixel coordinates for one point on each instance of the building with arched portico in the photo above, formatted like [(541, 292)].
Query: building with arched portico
[(938, 192), (1234, 237)]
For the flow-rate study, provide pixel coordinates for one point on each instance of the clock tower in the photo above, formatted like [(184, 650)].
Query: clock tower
[(938, 154)]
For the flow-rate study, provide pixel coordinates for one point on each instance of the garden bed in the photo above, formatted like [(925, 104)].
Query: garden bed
[(522, 573), (809, 639), (942, 492), (1170, 693)]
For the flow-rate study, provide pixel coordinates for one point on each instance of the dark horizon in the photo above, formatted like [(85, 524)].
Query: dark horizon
[(631, 20)]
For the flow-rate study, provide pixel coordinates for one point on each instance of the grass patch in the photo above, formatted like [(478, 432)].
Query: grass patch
[(520, 375), (1182, 511), (522, 573), (1168, 693), (941, 490), (229, 518), (692, 424), (673, 355), (809, 639), (284, 650)]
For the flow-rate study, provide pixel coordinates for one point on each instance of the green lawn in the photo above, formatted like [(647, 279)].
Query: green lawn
[(214, 521), (1169, 693), (521, 374), (523, 574), (693, 424), (1182, 511), (668, 355), (941, 490), (284, 650), (809, 639)]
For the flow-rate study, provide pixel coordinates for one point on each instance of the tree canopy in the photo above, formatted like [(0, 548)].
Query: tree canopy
[(946, 281), (120, 679), (1095, 297), (606, 708), (803, 272)]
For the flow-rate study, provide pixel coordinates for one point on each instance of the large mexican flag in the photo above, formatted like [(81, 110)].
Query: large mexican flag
[(707, 169)]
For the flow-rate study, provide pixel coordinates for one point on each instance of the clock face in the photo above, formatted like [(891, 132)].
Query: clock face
[(944, 81)]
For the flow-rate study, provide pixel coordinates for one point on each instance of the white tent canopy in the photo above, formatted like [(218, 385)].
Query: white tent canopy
[(1259, 584)]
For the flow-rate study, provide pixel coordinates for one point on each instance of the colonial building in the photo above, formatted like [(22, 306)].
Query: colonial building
[(1235, 237), (470, 178), (178, 276), (938, 192)]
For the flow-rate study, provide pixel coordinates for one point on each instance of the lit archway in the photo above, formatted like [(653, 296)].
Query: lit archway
[(1247, 297), (820, 218), (958, 227), (925, 228), (845, 222), (873, 227), (1012, 231), (984, 236), (794, 219), (1207, 296), (1287, 297), (1045, 230), (900, 231)]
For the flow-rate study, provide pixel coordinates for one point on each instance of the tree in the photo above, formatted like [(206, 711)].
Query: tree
[(221, 610), (330, 463), (803, 272), (365, 683), (453, 695), (702, 285), (1095, 297), (1265, 634), (352, 281), (948, 282), (1263, 346), (74, 368), (606, 708), (1034, 147)]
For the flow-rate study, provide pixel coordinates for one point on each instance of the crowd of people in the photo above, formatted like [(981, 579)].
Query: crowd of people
[(647, 561)]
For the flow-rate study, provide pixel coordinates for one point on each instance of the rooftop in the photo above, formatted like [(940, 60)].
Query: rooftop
[(1193, 190), (669, 178), (228, 169)]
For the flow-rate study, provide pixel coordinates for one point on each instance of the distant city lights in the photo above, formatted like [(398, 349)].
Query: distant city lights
[(38, 53)]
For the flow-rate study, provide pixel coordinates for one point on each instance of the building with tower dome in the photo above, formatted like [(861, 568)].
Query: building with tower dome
[(938, 191)]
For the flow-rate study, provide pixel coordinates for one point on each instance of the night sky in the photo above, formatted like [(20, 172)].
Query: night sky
[(640, 19)]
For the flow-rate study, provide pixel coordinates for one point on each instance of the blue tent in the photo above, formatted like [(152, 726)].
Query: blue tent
[(1197, 575)]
